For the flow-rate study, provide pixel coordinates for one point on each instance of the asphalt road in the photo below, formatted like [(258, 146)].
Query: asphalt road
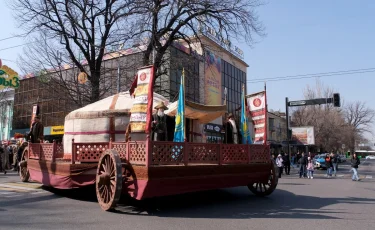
[(321, 203)]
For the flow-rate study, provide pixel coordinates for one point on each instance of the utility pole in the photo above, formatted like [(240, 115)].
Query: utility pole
[(287, 125)]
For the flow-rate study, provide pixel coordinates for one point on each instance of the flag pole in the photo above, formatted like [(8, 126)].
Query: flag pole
[(183, 82), (266, 115)]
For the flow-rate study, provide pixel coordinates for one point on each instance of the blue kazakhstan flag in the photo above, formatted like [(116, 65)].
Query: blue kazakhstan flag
[(244, 128), (179, 132)]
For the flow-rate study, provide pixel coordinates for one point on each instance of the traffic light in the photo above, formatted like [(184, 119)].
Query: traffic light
[(336, 100)]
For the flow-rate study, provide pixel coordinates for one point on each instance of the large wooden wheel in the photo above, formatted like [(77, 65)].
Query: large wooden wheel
[(109, 180), (265, 189), (23, 171)]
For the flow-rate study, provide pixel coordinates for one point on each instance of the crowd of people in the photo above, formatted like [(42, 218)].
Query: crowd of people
[(10, 156), (306, 166)]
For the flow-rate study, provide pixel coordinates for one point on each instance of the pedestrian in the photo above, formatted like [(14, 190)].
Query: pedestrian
[(286, 163), (302, 168), (328, 161), (334, 163), (279, 163), (5, 157), (310, 168), (355, 163)]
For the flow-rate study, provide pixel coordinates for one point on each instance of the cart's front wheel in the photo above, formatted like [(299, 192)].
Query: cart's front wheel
[(109, 180), (265, 189), (23, 171)]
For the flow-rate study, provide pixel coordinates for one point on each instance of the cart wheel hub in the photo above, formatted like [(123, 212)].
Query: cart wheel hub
[(105, 179)]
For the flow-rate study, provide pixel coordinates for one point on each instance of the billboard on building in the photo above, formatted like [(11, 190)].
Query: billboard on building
[(304, 135), (212, 76)]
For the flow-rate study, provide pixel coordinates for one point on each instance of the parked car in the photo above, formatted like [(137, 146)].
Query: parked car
[(341, 158), (319, 161), (370, 157)]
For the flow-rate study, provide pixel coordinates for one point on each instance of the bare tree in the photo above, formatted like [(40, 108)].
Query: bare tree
[(328, 121), (167, 21), (359, 119), (78, 29)]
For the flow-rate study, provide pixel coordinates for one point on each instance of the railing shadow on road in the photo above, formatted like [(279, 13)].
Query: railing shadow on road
[(86, 193), (4, 204), (238, 203)]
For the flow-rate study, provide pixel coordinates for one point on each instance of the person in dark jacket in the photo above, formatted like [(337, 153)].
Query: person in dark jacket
[(328, 161), (334, 163), (36, 133), (355, 163), (302, 166), (286, 162)]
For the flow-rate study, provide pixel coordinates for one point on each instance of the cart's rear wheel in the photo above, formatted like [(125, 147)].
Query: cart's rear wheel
[(23, 171), (265, 189), (109, 180)]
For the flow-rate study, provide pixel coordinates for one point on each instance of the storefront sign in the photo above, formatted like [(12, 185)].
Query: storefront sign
[(213, 128), (304, 135), (8, 78), (226, 44), (57, 130)]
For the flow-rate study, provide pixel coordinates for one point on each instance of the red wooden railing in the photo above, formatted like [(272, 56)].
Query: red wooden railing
[(153, 153), (45, 151)]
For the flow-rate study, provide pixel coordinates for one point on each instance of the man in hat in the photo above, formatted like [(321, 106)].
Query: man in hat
[(159, 123), (36, 132), (231, 130)]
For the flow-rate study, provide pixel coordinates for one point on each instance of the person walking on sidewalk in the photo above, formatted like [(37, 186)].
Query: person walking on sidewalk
[(280, 165), (334, 163), (328, 161), (286, 163), (355, 163), (310, 168), (302, 168)]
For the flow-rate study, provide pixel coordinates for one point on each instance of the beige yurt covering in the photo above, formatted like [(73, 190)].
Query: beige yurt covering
[(102, 120)]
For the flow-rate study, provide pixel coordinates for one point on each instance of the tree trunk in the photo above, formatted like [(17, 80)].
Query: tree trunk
[(95, 87)]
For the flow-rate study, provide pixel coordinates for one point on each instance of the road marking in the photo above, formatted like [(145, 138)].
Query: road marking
[(20, 187), (368, 177)]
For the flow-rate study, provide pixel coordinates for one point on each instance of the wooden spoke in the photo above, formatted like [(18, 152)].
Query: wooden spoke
[(23, 170), (265, 188), (108, 185)]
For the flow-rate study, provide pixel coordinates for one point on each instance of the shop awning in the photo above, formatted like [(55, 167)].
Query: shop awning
[(203, 113)]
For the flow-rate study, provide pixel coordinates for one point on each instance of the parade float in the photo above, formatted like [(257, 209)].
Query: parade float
[(96, 150)]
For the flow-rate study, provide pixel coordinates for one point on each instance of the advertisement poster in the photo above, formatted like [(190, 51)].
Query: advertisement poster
[(141, 112), (212, 76), (257, 106), (304, 135)]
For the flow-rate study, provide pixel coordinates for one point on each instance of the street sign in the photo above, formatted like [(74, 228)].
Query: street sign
[(297, 103)]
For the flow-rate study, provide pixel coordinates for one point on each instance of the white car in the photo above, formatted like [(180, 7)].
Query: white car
[(370, 157)]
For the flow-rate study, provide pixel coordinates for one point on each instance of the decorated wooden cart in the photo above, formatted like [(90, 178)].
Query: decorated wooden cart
[(95, 152), (144, 169)]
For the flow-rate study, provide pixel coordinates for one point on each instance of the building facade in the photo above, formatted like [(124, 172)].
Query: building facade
[(208, 72), (6, 113)]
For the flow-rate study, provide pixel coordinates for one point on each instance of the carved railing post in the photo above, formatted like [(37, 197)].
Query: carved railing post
[(74, 152), (185, 152), (54, 151), (148, 150), (221, 154), (110, 143)]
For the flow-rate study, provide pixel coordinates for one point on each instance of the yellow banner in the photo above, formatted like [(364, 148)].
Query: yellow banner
[(142, 90), (57, 130), (138, 127), (139, 108)]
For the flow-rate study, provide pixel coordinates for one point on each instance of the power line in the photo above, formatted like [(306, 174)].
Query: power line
[(305, 76), (15, 36), (7, 48)]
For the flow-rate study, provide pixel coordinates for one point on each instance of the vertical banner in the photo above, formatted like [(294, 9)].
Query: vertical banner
[(257, 107), (179, 132), (34, 113), (141, 112), (244, 128), (212, 82)]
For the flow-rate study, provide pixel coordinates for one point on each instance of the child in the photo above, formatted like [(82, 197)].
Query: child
[(310, 168)]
